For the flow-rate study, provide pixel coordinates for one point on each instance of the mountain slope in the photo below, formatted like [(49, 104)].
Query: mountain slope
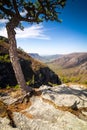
[(71, 67), (35, 73), (72, 60)]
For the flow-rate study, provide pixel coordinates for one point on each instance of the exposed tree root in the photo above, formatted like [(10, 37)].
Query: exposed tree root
[(25, 98), (21, 104), (5, 112), (10, 117)]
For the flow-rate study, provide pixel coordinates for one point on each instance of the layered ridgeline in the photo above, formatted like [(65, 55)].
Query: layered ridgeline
[(35, 72), (71, 67), (45, 58)]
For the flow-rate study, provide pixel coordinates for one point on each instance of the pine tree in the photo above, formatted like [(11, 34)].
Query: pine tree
[(36, 11)]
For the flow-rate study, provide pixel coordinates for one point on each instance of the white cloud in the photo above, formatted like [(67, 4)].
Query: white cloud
[(2, 21), (34, 32), (23, 13), (3, 32)]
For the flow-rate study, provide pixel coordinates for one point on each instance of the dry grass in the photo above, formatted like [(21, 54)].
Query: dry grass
[(3, 109), (19, 106), (28, 115), (78, 112), (16, 93)]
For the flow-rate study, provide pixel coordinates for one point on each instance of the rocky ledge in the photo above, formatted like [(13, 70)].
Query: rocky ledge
[(49, 108)]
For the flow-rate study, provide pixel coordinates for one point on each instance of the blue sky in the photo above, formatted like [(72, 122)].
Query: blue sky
[(56, 38)]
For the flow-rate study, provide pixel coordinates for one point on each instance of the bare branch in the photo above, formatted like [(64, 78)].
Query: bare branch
[(15, 7), (7, 11)]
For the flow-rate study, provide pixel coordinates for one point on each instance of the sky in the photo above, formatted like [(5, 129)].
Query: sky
[(50, 38)]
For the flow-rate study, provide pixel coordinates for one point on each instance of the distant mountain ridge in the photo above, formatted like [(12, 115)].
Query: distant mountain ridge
[(36, 56), (45, 58), (71, 60)]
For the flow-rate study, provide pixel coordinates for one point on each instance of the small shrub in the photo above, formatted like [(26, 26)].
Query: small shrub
[(19, 48), (17, 86), (65, 79), (5, 58), (31, 81), (85, 82), (8, 86)]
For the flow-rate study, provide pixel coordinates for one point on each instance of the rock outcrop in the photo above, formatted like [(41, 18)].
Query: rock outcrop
[(51, 108)]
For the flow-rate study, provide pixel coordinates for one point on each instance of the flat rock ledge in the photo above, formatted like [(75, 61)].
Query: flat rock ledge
[(51, 110)]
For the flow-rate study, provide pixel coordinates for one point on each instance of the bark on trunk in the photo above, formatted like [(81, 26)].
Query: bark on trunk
[(14, 57)]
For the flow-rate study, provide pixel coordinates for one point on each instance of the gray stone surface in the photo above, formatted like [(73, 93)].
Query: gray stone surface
[(64, 95), (45, 116), (4, 124)]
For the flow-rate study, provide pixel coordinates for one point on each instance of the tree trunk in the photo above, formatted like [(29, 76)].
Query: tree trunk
[(14, 58)]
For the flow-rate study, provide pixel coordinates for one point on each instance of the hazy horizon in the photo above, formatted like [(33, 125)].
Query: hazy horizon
[(55, 53)]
